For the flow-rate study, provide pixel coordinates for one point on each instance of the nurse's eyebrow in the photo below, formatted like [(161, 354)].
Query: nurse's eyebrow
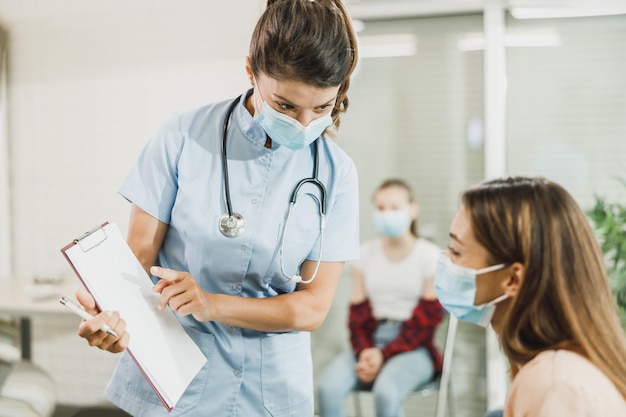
[(328, 103)]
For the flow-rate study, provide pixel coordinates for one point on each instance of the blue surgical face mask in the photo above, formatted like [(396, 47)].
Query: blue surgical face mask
[(456, 288), (289, 132), (391, 223)]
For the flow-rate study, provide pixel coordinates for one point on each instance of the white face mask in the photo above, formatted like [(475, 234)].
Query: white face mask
[(391, 223), (287, 131), (456, 288)]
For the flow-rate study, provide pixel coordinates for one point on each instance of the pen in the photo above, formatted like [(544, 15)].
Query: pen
[(78, 309)]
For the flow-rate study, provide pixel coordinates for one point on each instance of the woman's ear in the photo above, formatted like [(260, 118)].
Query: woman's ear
[(249, 71), (515, 277)]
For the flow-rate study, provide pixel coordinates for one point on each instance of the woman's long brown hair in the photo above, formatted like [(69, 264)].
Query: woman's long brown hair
[(564, 301)]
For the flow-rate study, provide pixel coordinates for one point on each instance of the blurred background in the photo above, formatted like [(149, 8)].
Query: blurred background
[(446, 93)]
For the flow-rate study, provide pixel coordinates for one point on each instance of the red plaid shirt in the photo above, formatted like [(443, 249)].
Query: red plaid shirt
[(417, 331)]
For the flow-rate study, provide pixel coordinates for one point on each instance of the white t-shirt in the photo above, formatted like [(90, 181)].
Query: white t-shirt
[(394, 287)]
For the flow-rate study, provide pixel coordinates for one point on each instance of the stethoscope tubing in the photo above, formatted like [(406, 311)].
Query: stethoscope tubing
[(292, 200), (229, 112)]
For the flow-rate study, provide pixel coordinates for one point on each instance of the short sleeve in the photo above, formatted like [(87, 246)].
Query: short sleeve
[(367, 251), (152, 182), (429, 254)]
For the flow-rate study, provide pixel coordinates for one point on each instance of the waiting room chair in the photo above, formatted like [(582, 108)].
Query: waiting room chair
[(25, 389), (440, 385)]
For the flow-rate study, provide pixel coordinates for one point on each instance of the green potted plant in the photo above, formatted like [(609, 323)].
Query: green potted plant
[(609, 220)]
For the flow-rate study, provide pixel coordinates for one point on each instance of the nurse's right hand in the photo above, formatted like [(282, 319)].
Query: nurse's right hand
[(90, 329)]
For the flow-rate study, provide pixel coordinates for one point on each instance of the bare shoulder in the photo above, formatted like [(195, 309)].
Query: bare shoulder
[(556, 381)]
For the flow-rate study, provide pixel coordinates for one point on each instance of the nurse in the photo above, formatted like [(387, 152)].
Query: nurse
[(209, 197)]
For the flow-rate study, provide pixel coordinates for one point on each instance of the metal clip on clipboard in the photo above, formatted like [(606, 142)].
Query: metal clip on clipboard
[(92, 238)]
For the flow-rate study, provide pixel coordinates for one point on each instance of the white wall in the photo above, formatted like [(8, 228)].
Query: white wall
[(90, 81), (5, 208)]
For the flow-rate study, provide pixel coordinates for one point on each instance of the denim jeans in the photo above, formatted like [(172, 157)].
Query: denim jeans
[(399, 376)]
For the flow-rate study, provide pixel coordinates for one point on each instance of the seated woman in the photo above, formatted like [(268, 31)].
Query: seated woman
[(523, 257), (393, 312)]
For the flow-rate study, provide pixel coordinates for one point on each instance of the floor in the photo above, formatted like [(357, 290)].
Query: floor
[(75, 411)]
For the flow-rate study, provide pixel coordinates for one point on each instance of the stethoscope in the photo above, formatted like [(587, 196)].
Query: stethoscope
[(232, 224)]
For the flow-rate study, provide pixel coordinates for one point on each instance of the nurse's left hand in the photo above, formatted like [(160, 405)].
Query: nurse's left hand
[(183, 294)]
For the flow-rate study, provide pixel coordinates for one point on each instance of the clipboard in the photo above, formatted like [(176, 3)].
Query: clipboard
[(165, 354)]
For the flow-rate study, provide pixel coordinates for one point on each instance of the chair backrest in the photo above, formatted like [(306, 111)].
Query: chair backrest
[(444, 379), (444, 340)]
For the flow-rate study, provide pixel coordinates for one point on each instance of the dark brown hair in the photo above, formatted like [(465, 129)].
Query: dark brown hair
[(308, 41), (564, 301), (395, 182)]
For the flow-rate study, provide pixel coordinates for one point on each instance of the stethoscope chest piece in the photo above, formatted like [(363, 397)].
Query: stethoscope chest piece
[(232, 226)]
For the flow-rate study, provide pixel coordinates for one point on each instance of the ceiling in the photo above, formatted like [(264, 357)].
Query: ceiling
[(12, 11), (390, 9)]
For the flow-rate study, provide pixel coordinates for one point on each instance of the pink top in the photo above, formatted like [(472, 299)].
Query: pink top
[(562, 383)]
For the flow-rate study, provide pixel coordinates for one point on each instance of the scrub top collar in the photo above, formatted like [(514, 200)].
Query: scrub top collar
[(251, 130)]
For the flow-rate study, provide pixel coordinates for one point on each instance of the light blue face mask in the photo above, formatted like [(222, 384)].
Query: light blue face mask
[(391, 223), (287, 131), (456, 288)]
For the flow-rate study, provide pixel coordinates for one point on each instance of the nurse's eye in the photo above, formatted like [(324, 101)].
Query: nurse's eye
[(285, 106), (324, 107)]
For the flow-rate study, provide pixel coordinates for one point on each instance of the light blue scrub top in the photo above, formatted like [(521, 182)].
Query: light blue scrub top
[(178, 179)]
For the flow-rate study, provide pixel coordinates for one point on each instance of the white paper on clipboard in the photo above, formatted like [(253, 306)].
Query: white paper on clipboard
[(163, 351)]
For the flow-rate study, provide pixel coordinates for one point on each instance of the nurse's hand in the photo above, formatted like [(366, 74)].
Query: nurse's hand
[(90, 329), (183, 294)]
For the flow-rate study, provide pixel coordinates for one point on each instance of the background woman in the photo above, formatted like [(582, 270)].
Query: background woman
[(393, 311)]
